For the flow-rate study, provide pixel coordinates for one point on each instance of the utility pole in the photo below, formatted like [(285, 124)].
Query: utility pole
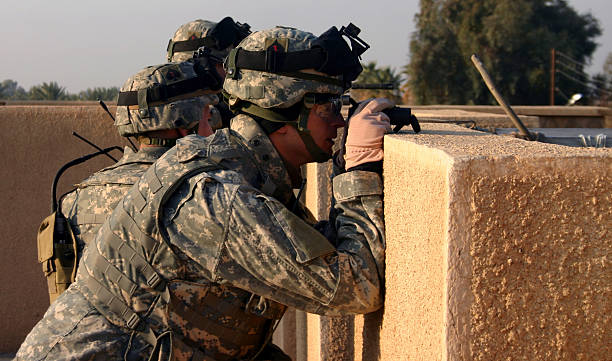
[(552, 76)]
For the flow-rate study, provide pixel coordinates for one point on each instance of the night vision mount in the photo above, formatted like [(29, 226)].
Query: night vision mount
[(358, 46)]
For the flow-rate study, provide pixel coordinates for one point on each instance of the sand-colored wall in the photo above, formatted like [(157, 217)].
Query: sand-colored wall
[(497, 249), (416, 199), (515, 264), (35, 141), (462, 279), (548, 116)]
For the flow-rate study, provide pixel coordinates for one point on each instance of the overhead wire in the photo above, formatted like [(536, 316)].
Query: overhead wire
[(572, 69), (582, 82), (587, 79), (581, 73), (570, 58)]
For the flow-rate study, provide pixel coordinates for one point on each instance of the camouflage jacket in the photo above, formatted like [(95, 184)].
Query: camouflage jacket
[(262, 247), (227, 229), (87, 207)]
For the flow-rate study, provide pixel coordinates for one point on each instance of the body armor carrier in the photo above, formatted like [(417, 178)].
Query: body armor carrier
[(137, 280), (108, 186), (63, 235)]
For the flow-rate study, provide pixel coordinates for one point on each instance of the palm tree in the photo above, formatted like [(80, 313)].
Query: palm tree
[(100, 93), (48, 91), (372, 74), (9, 89)]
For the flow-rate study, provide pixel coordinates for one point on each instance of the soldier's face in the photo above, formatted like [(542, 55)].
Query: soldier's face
[(204, 128), (323, 123)]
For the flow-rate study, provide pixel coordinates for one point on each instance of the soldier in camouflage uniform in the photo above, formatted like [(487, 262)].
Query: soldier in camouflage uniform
[(87, 207), (220, 37), (201, 258)]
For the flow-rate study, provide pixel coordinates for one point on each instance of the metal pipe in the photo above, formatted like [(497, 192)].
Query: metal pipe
[(552, 76), (93, 145), (487, 79)]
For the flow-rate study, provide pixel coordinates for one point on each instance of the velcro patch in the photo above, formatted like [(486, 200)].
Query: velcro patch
[(254, 92)]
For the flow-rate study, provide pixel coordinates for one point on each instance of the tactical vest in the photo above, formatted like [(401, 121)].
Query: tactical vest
[(119, 178), (85, 224), (138, 281), (60, 240)]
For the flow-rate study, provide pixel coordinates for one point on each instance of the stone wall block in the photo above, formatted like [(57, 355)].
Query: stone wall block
[(497, 248)]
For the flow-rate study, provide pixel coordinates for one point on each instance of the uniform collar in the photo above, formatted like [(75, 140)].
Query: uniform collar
[(276, 181), (144, 155)]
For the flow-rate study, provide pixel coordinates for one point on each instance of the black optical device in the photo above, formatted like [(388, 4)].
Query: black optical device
[(399, 117), (228, 32)]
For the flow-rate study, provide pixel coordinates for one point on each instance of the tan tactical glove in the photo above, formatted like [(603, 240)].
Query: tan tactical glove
[(366, 128)]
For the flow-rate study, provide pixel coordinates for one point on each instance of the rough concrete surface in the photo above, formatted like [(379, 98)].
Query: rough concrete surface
[(337, 335), (480, 119), (284, 336), (430, 288), (313, 338), (549, 116), (36, 142), (497, 248), (317, 195), (416, 198)]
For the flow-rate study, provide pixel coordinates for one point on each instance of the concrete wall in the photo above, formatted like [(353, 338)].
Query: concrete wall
[(549, 116), (35, 142), (497, 248), (481, 119)]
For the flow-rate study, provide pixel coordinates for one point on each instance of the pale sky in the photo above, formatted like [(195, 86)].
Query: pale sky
[(82, 44)]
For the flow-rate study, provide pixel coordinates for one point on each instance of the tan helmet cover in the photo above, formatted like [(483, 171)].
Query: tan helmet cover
[(182, 112), (194, 30), (270, 90)]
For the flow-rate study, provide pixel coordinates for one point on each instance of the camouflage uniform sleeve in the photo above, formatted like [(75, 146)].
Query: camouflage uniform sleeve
[(68, 207), (67, 203), (271, 252)]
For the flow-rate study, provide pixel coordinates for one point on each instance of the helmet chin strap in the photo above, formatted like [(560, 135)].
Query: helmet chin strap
[(301, 124), (318, 154)]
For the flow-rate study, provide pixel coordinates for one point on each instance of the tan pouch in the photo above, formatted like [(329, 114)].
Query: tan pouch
[(58, 258), (45, 238)]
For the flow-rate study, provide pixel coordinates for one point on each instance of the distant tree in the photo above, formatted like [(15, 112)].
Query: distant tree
[(406, 94), (372, 74), (47, 91), (100, 93), (607, 67), (512, 37), (602, 84), (436, 72), (9, 89), (599, 92)]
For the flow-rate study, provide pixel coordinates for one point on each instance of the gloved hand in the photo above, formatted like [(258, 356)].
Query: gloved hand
[(366, 128)]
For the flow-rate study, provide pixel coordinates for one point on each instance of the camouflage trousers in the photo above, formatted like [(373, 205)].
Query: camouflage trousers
[(72, 329)]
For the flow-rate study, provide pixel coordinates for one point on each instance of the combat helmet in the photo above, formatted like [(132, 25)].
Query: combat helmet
[(277, 75), (167, 96), (220, 37)]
